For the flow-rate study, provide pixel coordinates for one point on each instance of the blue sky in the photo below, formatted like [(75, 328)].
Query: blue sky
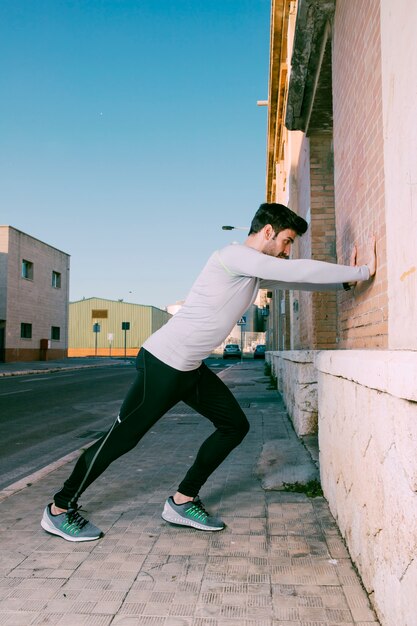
[(130, 134)]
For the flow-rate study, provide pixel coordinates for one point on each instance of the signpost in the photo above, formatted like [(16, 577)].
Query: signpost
[(125, 327), (241, 323), (96, 330)]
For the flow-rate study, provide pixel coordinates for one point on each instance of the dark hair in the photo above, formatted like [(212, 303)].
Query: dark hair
[(279, 216)]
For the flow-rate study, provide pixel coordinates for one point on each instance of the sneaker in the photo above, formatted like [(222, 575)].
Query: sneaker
[(190, 514), (69, 525)]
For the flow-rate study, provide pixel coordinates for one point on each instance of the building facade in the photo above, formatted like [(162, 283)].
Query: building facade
[(101, 327), (249, 331), (341, 153), (34, 293)]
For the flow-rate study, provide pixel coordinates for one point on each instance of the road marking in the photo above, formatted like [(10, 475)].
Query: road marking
[(10, 393), (66, 375), (29, 380)]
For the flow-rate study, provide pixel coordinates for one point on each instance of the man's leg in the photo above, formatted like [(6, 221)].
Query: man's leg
[(214, 400), (155, 390)]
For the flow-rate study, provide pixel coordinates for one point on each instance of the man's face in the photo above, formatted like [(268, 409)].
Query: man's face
[(279, 245)]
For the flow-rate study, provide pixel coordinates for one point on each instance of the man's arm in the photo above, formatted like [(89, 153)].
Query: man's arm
[(346, 285), (245, 261)]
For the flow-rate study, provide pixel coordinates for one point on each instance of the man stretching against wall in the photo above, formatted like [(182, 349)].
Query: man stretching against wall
[(170, 367)]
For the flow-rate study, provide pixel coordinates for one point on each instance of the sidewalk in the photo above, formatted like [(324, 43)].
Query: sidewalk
[(279, 562), (36, 367)]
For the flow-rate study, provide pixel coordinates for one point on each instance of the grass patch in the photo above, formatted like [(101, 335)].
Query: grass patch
[(312, 489)]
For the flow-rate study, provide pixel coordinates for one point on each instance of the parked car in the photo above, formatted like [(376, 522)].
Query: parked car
[(231, 350), (259, 352)]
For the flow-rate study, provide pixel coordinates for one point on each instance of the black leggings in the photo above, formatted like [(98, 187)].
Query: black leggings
[(156, 389)]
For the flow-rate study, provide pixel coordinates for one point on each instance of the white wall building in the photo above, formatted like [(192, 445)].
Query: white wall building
[(34, 293)]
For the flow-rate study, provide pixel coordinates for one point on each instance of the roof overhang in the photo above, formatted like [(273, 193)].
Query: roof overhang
[(309, 105)]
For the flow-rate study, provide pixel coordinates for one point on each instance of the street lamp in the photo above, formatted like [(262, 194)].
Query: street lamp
[(235, 228)]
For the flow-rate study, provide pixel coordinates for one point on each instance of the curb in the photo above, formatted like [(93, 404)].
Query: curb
[(55, 369), (28, 481)]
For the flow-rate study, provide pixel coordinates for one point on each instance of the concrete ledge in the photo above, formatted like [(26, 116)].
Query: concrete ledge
[(390, 371)]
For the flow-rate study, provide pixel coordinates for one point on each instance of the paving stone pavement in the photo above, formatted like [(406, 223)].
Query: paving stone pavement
[(280, 561)]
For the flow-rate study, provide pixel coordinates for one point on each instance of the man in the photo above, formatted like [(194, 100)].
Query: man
[(170, 367)]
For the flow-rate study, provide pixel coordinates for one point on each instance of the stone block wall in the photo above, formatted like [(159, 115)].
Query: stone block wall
[(297, 382)]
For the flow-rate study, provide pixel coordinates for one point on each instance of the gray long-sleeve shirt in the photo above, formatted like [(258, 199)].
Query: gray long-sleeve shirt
[(224, 290)]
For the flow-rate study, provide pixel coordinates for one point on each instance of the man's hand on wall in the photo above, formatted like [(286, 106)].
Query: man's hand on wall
[(352, 263), (353, 255), (371, 255)]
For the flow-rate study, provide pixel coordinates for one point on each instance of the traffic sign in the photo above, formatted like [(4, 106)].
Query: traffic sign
[(242, 321)]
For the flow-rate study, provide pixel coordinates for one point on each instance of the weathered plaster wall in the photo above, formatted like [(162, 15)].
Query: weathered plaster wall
[(368, 465), (399, 80)]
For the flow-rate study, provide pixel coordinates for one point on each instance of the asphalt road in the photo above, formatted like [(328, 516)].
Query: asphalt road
[(45, 416)]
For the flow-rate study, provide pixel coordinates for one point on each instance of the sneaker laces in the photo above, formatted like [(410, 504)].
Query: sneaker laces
[(75, 518), (198, 503)]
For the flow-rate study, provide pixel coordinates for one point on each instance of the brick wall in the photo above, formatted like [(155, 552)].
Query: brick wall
[(306, 321), (302, 249), (323, 236), (317, 311), (359, 166)]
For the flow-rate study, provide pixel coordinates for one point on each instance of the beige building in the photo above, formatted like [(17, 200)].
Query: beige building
[(342, 138), (101, 327), (34, 292)]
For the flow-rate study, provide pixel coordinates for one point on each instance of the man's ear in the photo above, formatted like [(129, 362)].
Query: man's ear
[(268, 231)]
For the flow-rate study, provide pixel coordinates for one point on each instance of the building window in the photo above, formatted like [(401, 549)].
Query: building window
[(55, 333), (27, 269), (56, 280), (25, 331)]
